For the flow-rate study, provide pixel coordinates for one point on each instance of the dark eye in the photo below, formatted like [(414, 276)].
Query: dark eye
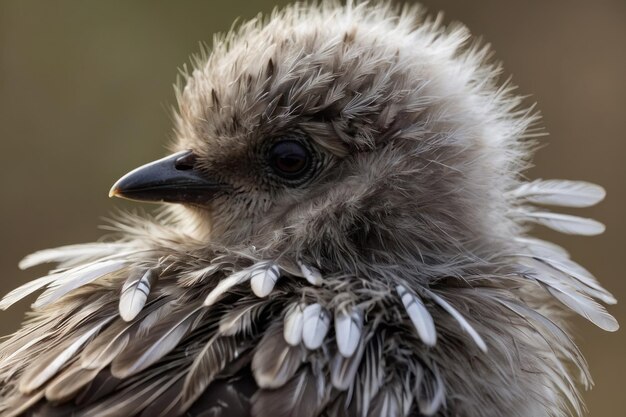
[(289, 159)]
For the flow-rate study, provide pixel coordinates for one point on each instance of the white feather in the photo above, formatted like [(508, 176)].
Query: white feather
[(264, 278), (70, 252), (32, 382), (225, 285), (459, 318), (565, 223), (75, 278), (135, 293), (561, 193), (419, 315), (294, 322), (311, 274), (586, 307), (348, 328), (316, 321), (569, 273), (27, 289)]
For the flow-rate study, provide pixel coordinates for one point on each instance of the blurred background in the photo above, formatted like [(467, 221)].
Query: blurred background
[(85, 92)]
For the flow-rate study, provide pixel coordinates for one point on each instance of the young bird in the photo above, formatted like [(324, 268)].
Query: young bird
[(348, 237)]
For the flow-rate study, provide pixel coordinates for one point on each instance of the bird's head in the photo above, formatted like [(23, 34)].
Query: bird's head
[(346, 138)]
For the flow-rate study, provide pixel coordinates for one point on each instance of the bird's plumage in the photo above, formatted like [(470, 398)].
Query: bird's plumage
[(392, 276)]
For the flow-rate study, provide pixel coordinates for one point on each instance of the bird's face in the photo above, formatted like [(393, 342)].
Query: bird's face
[(335, 140)]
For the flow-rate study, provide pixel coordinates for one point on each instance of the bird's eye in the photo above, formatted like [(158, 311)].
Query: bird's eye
[(289, 159)]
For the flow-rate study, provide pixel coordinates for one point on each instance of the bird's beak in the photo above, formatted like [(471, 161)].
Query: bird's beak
[(173, 179)]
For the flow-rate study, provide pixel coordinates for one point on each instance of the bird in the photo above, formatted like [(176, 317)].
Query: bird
[(344, 230)]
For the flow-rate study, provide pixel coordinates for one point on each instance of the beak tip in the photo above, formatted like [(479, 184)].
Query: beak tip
[(114, 191)]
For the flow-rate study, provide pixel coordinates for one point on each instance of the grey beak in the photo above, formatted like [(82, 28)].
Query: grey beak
[(173, 179)]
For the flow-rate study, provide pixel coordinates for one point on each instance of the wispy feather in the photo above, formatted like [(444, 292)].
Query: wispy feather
[(459, 318)]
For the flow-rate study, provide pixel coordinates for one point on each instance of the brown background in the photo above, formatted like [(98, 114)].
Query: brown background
[(85, 88)]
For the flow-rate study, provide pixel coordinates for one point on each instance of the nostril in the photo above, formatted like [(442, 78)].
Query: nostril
[(185, 162)]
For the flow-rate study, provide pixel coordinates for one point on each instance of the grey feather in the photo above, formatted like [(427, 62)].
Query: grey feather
[(159, 341), (459, 318), (46, 367), (208, 363), (274, 361), (302, 396)]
